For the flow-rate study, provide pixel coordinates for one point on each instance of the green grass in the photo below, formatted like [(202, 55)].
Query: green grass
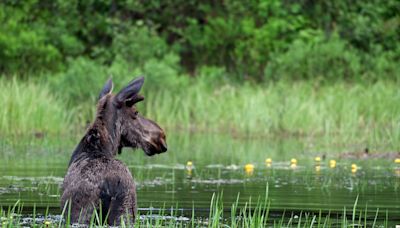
[(253, 214), (293, 108), (30, 109), (339, 113)]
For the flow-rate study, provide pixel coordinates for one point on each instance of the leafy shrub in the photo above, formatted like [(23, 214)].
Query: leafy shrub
[(382, 65), (23, 49), (244, 38), (84, 78), (81, 82), (138, 45), (211, 76), (141, 51), (164, 73), (330, 59)]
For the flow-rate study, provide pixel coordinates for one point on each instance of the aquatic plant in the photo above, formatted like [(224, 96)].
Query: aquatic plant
[(252, 214)]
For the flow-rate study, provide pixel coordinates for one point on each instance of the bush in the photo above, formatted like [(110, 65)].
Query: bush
[(138, 45), (242, 40), (23, 49), (84, 78), (140, 51), (165, 73), (81, 82), (382, 64), (326, 60)]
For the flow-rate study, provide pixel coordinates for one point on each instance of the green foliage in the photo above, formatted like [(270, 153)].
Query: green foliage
[(244, 38), (321, 59), (352, 113), (138, 45), (382, 65), (84, 78), (23, 46), (361, 113), (81, 81), (30, 109)]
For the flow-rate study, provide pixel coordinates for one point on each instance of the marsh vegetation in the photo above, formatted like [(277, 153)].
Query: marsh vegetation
[(233, 84)]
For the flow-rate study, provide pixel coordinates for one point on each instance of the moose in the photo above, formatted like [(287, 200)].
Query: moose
[(95, 180)]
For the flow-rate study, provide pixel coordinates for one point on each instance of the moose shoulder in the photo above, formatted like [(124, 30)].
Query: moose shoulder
[(95, 179)]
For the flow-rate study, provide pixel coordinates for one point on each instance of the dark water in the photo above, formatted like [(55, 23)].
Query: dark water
[(33, 174)]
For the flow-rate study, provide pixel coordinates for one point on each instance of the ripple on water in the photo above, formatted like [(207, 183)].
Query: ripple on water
[(158, 166), (48, 179), (217, 181), (232, 167), (154, 182), (215, 166), (16, 189)]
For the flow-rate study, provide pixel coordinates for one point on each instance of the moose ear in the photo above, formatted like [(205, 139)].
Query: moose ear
[(107, 88), (130, 92), (135, 99)]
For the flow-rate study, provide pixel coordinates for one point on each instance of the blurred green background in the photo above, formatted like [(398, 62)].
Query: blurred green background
[(247, 68), (232, 82)]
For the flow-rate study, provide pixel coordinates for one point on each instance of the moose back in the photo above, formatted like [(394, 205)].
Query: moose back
[(95, 179)]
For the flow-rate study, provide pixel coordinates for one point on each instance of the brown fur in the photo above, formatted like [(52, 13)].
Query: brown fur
[(95, 179)]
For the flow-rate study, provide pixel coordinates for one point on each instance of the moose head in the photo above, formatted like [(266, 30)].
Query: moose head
[(124, 125)]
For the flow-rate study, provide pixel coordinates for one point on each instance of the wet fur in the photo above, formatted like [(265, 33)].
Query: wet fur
[(94, 176), (95, 179)]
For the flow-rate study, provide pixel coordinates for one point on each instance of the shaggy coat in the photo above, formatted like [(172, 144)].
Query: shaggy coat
[(95, 179)]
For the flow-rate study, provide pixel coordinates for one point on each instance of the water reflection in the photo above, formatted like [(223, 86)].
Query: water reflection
[(197, 167)]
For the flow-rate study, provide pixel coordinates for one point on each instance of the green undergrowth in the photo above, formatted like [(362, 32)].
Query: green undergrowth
[(30, 109), (339, 112), (253, 214), (354, 111)]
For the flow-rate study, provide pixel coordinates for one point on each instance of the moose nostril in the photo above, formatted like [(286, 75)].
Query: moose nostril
[(163, 145)]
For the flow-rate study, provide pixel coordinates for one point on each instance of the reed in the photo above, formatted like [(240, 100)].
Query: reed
[(31, 109), (250, 215), (296, 108), (338, 113)]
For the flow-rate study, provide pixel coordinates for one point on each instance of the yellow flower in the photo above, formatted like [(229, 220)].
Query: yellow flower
[(332, 163), (249, 167), (354, 168)]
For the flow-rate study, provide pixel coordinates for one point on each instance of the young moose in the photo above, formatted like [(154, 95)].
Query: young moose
[(94, 176)]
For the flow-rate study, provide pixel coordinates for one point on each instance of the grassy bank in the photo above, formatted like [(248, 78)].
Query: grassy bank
[(255, 213), (340, 112), (31, 109)]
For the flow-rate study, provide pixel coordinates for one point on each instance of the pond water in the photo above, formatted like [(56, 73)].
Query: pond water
[(32, 173)]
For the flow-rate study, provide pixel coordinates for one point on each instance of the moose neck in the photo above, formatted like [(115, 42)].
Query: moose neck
[(101, 140)]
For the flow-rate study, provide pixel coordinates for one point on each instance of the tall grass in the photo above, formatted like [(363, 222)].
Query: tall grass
[(354, 112), (29, 109), (340, 112), (249, 215)]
